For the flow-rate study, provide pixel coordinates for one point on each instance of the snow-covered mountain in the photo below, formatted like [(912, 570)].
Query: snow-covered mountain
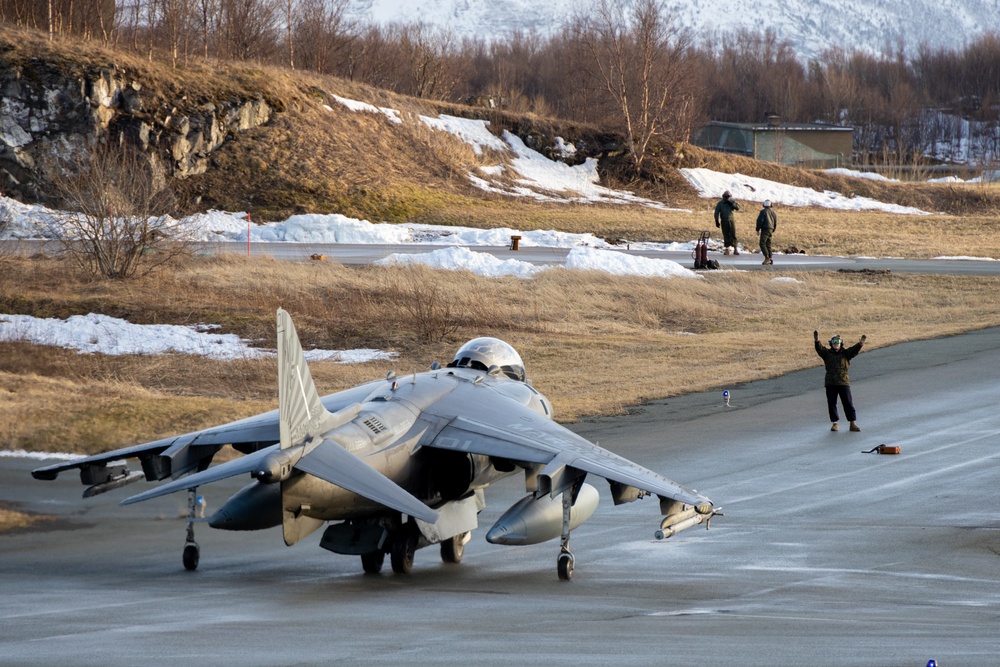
[(811, 25)]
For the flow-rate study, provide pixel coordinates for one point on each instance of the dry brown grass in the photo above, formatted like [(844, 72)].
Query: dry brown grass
[(593, 343), (821, 231)]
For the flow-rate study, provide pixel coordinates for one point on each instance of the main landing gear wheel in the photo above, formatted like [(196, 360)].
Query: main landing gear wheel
[(403, 549), (372, 562), (564, 565), (191, 556), (453, 549)]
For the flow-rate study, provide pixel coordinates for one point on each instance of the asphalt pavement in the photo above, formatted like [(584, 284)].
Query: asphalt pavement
[(347, 253), (366, 253), (825, 555)]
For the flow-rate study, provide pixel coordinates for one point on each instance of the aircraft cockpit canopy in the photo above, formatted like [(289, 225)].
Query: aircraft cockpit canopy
[(481, 353)]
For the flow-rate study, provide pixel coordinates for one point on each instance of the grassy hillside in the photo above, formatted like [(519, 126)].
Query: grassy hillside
[(318, 156)]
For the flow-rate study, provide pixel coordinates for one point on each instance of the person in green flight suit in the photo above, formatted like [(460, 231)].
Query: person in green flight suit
[(838, 384), (725, 219), (767, 222)]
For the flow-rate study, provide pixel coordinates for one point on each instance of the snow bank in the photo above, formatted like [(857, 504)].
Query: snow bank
[(712, 184), (100, 334)]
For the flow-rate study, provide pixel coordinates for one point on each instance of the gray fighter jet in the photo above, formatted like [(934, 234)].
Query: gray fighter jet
[(396, 464)]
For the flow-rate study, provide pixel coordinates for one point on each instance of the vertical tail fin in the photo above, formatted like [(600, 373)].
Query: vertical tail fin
[(301, 417), (300, 412)]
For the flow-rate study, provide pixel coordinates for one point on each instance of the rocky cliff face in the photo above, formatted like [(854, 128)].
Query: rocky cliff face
[(48, 112)]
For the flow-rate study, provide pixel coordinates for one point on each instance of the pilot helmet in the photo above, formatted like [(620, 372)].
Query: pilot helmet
[(481, 353)]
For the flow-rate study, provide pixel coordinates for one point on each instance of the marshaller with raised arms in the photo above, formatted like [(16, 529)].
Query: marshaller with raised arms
[(397, 464)]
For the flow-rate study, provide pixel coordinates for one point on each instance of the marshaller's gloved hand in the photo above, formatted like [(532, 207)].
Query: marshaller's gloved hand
[(863, 338), (815, 335)]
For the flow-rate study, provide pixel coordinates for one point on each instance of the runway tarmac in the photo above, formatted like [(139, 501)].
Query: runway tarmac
[(347, 253), (825, 555), (366, 253)]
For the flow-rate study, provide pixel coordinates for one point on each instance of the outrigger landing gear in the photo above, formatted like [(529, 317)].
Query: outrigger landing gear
[(196, 509), (565, 561)]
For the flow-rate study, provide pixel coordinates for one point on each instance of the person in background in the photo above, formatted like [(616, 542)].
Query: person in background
[(725, 219), (837, 382), (767, 222)]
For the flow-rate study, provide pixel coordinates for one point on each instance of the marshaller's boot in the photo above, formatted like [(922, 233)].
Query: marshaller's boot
[(835, 427), (727, 251), (855, 427), (736, 251)]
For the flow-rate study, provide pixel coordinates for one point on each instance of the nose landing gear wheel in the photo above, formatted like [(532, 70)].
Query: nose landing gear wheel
[(564, 565), (372, 562), (191, 556)]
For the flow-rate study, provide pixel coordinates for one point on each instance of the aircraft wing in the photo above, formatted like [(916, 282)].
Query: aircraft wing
[(258, 429), (519, 434), (181, 454), (329, 461), (242, 465)]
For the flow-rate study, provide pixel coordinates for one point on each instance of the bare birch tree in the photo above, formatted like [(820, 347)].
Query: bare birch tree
[(175, 18), (248, 28), (208, 9), (641, 60), (323, 34), (290, 19), (429, 66), (115, 222)]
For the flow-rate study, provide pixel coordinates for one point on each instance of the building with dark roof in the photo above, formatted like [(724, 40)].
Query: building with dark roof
[(811, 145)]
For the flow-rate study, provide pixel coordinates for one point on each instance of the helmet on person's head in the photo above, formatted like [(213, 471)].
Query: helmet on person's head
[(727, 194), (836, 340), (767, 203)]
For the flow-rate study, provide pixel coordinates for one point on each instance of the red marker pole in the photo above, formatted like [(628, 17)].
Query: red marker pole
[(248, 234)]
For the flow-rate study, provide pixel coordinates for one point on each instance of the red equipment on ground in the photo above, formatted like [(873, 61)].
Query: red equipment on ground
[(701, 260)]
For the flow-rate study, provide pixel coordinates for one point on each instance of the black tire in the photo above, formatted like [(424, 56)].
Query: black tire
[(191, 557), (565, 566), (403, 549), (372, 562), (453, 549)]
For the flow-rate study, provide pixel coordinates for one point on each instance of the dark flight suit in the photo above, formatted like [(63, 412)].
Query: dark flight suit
[(724, 214), (837, 381), (767, 222)]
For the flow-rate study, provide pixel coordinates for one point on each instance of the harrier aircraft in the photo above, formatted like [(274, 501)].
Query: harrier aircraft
[(396, 464)]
